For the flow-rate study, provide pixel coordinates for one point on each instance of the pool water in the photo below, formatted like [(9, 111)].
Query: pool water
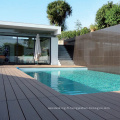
[(73, 81)]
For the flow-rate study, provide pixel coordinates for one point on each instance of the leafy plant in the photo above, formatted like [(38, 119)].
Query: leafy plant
[(101, 13), (113, 16), (84, 30), (93, 27)]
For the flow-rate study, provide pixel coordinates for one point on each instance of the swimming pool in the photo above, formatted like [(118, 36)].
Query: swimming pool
[(73, 81)]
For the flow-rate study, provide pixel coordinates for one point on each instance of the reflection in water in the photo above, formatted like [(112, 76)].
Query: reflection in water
[(59, 73), (74, 82), (54, 80), (58, 81), (36, 76)]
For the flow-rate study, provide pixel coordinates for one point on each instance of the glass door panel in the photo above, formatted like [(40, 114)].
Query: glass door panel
[(8, 48), (25, 50), (45, 51)]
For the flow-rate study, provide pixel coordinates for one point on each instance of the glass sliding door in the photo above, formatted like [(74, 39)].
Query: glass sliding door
[(45, 51), (20, 50), (25, 50), (8, 48)]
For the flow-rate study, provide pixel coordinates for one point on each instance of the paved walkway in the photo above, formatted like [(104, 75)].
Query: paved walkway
[(24, 98)]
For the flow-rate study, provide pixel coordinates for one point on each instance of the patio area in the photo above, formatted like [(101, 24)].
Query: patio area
[(24, 98)]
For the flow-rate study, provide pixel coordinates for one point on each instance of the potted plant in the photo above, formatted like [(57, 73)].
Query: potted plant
[(93, 27)]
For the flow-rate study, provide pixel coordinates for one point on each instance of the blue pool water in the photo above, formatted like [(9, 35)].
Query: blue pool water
[(74, 81)]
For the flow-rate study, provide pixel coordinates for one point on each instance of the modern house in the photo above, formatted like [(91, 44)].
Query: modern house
[(17, 43)]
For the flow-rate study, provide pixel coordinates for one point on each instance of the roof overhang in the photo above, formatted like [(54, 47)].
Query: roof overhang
[(29, 26)]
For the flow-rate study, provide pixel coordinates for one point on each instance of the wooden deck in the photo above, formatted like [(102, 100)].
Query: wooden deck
[(24, 98)]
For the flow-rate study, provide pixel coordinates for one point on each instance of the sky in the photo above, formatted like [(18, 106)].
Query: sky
[(34, 11)]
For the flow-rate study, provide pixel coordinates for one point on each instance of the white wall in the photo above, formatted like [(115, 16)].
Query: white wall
[(54, 51)]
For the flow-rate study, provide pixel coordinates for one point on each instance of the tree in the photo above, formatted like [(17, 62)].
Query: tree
[(78, 25), (101, 13), (113, 15), (57, 12)]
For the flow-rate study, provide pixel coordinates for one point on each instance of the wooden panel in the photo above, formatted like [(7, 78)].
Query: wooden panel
[(43, 111), (15, 111), (85, 112), (28, 110), (73, 113), (3, 111), (8, 89), (60, 114)]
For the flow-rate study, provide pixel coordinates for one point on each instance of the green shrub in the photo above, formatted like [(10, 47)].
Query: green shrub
[(84, 30), (71, 34)]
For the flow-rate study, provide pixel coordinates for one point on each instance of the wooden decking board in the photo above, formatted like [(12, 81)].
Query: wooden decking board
[(17, 90), (42, 110), (33, 89), (15, 111), (108, 99), (3, 111), (2, 91), (60, 114), (109, 112), (109, 115), (33, 99), (104, 114), (13, 104), (89, 114), (110, 96), (23, 97), (26, 91), (9, 91), (38, 83), (73, 113), (114, 94), (29, 111), (104, 103), (24, 80), (41, 87)]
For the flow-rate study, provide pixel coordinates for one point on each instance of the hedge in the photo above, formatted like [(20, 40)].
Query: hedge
[(72, 34)]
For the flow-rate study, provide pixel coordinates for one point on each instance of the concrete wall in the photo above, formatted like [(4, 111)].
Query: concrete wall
[(54, 51), (99, 50)]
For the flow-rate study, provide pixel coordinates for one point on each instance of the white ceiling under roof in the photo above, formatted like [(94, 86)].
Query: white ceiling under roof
[(29, 26)]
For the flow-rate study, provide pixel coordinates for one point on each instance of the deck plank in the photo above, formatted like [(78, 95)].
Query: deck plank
[(42, 110), (3, 111), (111, 111), (9, 91), (73, 113), (60, 114), (2, 91), (23, 97), (28, 110), (13, 105), (15, 111), (39, 85), (24, 88), (102, 102), (99, 113)]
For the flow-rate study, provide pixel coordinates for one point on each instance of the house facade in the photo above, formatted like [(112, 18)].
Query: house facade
[(17, 43)]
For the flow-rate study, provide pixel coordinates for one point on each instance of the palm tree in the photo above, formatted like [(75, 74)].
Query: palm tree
[(57, 12)]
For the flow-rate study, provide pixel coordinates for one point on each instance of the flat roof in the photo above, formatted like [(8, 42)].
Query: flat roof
[(29, 26)]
